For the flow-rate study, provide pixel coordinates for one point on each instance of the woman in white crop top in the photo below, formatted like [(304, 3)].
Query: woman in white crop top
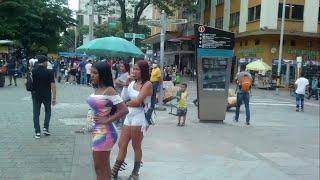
[(137, 95)]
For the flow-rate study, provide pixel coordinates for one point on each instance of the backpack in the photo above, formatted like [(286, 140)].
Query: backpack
[(29, 83), (245, 83)]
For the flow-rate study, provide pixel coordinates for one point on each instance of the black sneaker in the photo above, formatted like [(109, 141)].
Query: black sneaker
[(247, 123), (45, 132), (234, 119), (37, 136)]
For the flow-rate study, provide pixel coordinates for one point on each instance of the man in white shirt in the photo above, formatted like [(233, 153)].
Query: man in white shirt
[(32, 61), (301, 85), (88, 71)]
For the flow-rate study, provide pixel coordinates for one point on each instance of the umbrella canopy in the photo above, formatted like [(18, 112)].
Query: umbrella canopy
[(258, 66), (111, 47)]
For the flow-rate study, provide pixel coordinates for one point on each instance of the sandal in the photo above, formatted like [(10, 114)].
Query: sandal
[(178, 124), (135, 172), (118, 166)]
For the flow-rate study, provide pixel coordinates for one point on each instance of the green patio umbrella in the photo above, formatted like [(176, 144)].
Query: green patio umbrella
[(111, 47)]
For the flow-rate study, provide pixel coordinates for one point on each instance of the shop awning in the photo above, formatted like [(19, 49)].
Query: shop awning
[(156, 38), (178, 52), (258, 66)]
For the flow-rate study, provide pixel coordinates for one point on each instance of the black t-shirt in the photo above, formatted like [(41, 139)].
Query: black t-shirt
[(12, 62), (42, 79)]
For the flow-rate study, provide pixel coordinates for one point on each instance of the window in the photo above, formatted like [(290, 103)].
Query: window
[(220, 2), (309, 44), (293, 43), (258, 12), (257, 42), (254, 13), (234, 19), (240, 43), (286, 13), (251, 14), (246, 43), (219, 23), (99, 20), (80, 20), (207, 5), (297, 12)]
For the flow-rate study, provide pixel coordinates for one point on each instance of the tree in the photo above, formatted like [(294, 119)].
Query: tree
[(138, 6), (38, 22)]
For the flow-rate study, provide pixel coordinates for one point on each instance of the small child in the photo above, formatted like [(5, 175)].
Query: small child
[(182, 104)]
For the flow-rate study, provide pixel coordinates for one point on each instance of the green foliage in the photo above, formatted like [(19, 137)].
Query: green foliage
[(35, 23), (134, 9)]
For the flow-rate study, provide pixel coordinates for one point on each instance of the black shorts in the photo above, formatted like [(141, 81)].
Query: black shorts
[(11, 72), (182, 111), (73, 72)]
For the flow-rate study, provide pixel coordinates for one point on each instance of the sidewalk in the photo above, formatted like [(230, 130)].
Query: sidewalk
[(281, 144)]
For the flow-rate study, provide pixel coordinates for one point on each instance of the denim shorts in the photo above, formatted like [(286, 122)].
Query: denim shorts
[(182, 111)]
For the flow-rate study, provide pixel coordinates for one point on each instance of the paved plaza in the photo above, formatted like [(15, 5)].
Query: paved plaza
[(280, 144)]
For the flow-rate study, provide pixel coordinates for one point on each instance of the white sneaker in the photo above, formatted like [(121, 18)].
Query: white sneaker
[(37, 136)]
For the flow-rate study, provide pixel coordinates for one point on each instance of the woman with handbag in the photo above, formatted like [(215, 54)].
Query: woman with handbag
[(107, 107), (137, 93)]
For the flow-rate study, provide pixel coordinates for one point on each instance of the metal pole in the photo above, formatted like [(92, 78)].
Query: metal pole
[(75, 38), (133, 42), (162, 39), (281, 41), (91, 19)]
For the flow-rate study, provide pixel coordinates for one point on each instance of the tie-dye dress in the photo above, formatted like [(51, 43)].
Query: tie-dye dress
[(104, 135)]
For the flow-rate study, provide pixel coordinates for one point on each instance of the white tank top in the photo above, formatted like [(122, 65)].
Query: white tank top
[(133, 94)]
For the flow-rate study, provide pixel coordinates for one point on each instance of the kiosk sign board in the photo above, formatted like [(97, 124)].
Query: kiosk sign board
[(214, 51)]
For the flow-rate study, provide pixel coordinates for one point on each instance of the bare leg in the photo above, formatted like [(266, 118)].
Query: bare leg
[(184, 119), (100, 159)]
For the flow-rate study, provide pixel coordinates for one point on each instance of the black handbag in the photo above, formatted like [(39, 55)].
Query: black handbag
[(148, 116)]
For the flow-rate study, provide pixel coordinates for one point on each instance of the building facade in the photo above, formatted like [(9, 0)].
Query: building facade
[(257, 25)]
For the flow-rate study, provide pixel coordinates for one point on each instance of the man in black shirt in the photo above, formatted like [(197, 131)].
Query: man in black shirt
[(44, 92)]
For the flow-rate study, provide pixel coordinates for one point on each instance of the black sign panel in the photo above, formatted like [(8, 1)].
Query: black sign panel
[(211, 38)]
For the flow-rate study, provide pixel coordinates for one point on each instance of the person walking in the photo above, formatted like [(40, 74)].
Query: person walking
[(44, 92), (314, 88), (88, 71), (83, 71), (107, 107), (244, 81), (137, 93), (301, 85), (156, 79), (12, 66)]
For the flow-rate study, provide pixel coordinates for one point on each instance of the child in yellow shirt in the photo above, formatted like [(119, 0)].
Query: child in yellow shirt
[(182, 104)]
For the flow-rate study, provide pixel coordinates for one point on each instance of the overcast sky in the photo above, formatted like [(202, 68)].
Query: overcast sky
[(73, 4)]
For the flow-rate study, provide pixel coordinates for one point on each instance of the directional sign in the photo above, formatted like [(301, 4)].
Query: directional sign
[(138, 36)]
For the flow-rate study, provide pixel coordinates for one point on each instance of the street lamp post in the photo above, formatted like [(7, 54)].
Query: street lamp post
[(162, 23), (281, 43), (91, 19)]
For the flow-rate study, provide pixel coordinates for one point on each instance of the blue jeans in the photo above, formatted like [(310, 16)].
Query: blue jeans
[(243, 97), (299, 98), (83, 78), (155, 86)]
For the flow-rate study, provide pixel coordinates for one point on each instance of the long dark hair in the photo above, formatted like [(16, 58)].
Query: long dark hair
[(105, 78), (105, 74), (144, 68), (127, 67)]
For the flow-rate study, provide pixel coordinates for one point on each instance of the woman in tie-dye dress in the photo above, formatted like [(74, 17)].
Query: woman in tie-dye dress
[(107, 107)]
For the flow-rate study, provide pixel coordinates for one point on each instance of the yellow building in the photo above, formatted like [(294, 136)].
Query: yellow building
[(257, 24)]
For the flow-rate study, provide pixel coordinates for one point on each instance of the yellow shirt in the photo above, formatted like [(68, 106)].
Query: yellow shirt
[(183, 101), (155, 75)]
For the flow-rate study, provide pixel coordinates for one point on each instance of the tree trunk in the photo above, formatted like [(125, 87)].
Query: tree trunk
[(122, 4)]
